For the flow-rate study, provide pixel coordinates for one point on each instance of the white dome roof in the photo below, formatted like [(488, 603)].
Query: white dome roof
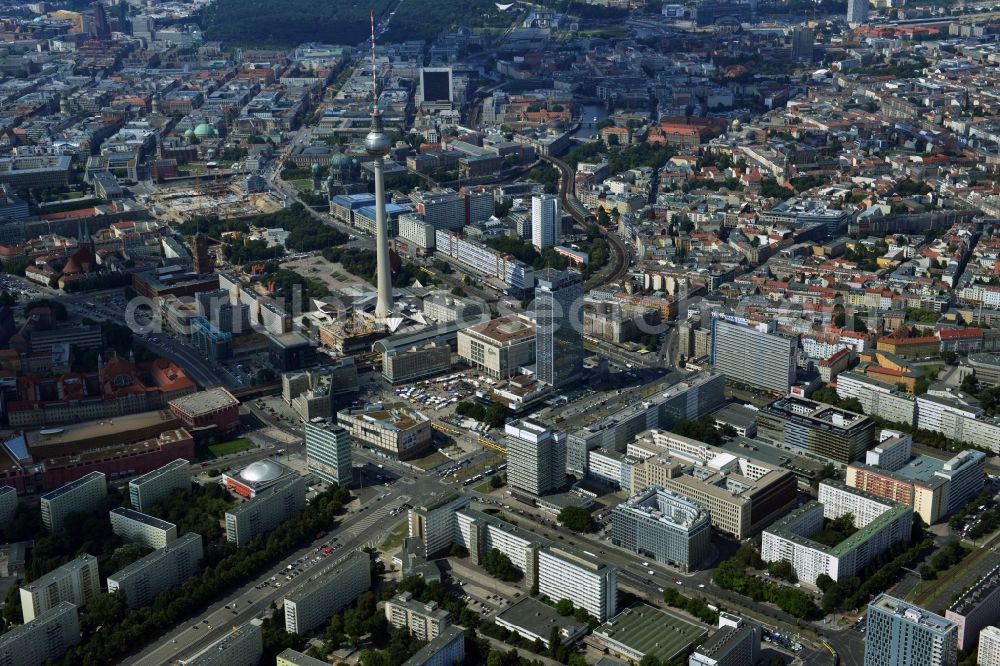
[(262, 470)]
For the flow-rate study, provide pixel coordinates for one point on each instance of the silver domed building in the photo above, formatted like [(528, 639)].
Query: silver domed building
[(257, 476)]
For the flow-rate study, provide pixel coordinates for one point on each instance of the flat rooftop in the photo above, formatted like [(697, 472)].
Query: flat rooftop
[(73, 485), (538, 618), (111, 428), (143, 518), (204, 402), (330, 572), (390, 415), (154, 558), (645, 629), (60, 572), (505, 329), (178, 464), (914, 614), (976, 594)]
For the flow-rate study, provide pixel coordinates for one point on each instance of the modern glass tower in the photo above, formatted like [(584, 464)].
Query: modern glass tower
[(559, 327)]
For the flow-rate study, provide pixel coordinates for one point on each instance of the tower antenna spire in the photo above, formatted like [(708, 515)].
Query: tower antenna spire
[(378, 144), (375, 111)]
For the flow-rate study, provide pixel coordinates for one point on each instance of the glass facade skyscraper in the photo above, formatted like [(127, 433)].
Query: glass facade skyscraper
[(559, 327)]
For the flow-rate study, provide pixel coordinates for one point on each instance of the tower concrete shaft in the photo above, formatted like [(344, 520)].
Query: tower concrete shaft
[(383, 307)]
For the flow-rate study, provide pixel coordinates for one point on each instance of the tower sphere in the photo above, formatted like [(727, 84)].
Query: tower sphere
[(378, 143)]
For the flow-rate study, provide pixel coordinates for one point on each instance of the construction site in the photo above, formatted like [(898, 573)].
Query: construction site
[(219, 199)]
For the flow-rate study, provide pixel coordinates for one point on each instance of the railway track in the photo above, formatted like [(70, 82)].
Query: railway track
[(584, 217)]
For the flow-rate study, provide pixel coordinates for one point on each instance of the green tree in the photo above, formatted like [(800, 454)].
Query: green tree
[(564, 607), (782, 569), (576, 519)]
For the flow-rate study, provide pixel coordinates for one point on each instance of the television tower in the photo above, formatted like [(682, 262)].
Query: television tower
[(377, 144)]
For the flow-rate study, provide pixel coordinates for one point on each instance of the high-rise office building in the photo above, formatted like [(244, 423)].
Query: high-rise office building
[(901, 634), (43, 640), (436, 86), (755, 356), (328, 451), (536, 458), (546, 217), (802, 43), (202, 259), (816, 428), (479, 205), (146, 490), (76, 581), (857, 12), (559, 327), (664, 526), (101, 29), (443, 209), (685, 401)]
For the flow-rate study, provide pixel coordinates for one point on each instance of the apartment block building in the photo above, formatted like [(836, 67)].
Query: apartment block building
[(445, 650), (268, 509), (881, 524), (424, 621), (136, 527), (146, 490), (42, 640), (76, 581), (243, 646), (511, 275), (877, 398), (8, 505), (586, 581), (976, 608), (559, 572), (323, 594), (988, 653), (85, 495), (148, 576)]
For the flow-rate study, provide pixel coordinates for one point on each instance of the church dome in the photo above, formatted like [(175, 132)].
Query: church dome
[(204, 129)]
